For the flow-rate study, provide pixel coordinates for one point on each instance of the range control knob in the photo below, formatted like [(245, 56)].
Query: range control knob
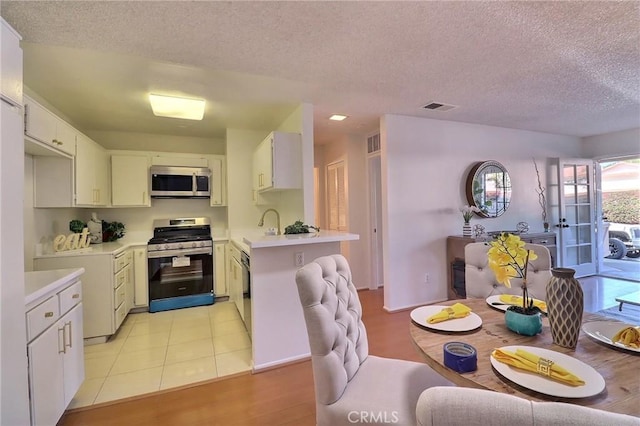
[(166, 246), (193, 245), (180, 245)]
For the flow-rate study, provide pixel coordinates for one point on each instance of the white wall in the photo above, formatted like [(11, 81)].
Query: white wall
[(617, 144), (424, 167)]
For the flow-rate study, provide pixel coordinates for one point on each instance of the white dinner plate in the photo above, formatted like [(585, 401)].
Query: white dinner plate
[(594, 382), (605, 330), (421, 314), (496, 299)]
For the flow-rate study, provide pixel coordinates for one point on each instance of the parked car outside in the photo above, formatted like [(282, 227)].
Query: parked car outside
[(624, 240)]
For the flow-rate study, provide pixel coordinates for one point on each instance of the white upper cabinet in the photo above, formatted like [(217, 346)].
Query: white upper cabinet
[(130, 181), (11, 64), (277, 162), (217, 181), (43, 126), (91, 173)]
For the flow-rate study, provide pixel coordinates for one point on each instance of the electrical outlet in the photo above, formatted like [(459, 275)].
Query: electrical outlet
[(426, 278), (299, 258)]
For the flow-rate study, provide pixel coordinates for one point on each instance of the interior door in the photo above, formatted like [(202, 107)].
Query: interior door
[(375, 212), (575, 215)]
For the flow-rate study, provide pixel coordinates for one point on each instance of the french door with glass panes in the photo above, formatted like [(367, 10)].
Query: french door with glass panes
[(574, 214)]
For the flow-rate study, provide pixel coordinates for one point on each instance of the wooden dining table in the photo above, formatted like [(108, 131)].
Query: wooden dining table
[(620, 368)]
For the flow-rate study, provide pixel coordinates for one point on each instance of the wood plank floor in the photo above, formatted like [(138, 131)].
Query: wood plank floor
[(282, 396)]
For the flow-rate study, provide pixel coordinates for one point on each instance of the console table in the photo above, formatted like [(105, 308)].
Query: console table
[(455, 258)]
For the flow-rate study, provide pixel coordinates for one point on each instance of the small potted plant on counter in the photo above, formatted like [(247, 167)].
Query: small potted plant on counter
[(299, 227), (112, 231)]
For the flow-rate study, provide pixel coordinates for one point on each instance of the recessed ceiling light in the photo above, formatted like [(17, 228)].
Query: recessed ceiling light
[(337, 117), (176, 107)]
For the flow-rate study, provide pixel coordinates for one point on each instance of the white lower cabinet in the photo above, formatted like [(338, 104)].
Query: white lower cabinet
[(107, 287), (56, 355), (140, 281), (220, 270)]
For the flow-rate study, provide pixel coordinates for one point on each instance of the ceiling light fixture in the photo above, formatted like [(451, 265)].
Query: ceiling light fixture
[(176, 107), (337, 117)]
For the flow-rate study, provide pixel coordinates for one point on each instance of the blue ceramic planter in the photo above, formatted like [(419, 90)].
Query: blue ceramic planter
[(527, 325)]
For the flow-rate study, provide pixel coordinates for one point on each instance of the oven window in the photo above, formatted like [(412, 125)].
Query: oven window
[(171, 183), (180, 276)]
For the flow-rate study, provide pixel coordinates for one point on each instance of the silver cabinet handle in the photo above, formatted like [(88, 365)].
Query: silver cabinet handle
[(48, 314), (64, 339), (70, 334)]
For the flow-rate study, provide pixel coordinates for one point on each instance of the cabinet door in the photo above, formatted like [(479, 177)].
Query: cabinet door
[(101, 183), (217, 192), (46, 376), (11, 64), (220, 270), (129, 287), (65, 139), (74, 353), (235, 286), (85, 171), (130, 180), (40, 124), (141, 288), (263, 164)]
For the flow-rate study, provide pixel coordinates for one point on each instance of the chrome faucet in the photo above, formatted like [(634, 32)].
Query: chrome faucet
[(261, 223)]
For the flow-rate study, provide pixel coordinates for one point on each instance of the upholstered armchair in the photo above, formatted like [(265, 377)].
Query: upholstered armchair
[(480, 282), (351, 386), (440, 406)]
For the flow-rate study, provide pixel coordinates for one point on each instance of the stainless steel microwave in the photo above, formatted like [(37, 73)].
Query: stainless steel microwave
[(180, 182)]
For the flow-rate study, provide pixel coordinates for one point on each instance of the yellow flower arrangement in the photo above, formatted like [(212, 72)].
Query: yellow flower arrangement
[(509, 259)]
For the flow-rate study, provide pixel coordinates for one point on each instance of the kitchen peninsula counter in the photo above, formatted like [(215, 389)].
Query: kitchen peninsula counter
[(279, 334), (264, 241)]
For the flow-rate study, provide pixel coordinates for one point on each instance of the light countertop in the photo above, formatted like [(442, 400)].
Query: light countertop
[(262, 241), (40, 283)]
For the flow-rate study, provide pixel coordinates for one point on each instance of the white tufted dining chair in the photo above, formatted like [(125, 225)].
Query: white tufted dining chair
[(480, 281), (468, 406), (351, 386)]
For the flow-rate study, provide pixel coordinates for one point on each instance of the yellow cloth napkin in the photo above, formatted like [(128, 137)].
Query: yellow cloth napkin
[(628, 336), (458, 310), (533, 363), (517, 300)]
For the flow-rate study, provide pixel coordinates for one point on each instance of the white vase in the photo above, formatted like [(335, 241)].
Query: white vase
[(466, 229)]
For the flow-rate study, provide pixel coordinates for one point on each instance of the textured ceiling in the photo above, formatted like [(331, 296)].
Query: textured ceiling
[(559, 67)]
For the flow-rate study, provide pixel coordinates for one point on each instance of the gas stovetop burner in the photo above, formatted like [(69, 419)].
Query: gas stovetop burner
[(181, 233), (179, 239)]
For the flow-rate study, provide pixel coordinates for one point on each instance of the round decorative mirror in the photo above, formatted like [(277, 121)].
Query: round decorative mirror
[(489, 188)]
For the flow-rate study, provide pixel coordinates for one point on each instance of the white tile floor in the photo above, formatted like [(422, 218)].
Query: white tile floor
[(163, 350)]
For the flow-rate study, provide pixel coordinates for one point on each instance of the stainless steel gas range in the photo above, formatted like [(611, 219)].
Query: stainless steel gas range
[(180, 260)]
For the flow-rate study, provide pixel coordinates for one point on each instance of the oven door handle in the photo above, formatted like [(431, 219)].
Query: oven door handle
[(180, 252)]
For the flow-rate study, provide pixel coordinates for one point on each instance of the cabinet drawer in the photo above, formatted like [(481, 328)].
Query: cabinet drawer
[(121, 314), (70, 297), (545, 241), (128, 257), (120, 278), (119, 295), (119, 262), (41, 317)]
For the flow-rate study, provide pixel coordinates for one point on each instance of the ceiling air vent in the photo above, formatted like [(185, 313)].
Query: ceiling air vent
[(437, 106)]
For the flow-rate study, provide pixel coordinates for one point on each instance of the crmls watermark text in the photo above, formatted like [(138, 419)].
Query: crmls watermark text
[(373, 417)]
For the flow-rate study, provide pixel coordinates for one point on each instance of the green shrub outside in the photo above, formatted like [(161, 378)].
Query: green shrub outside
[(621, 207)]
